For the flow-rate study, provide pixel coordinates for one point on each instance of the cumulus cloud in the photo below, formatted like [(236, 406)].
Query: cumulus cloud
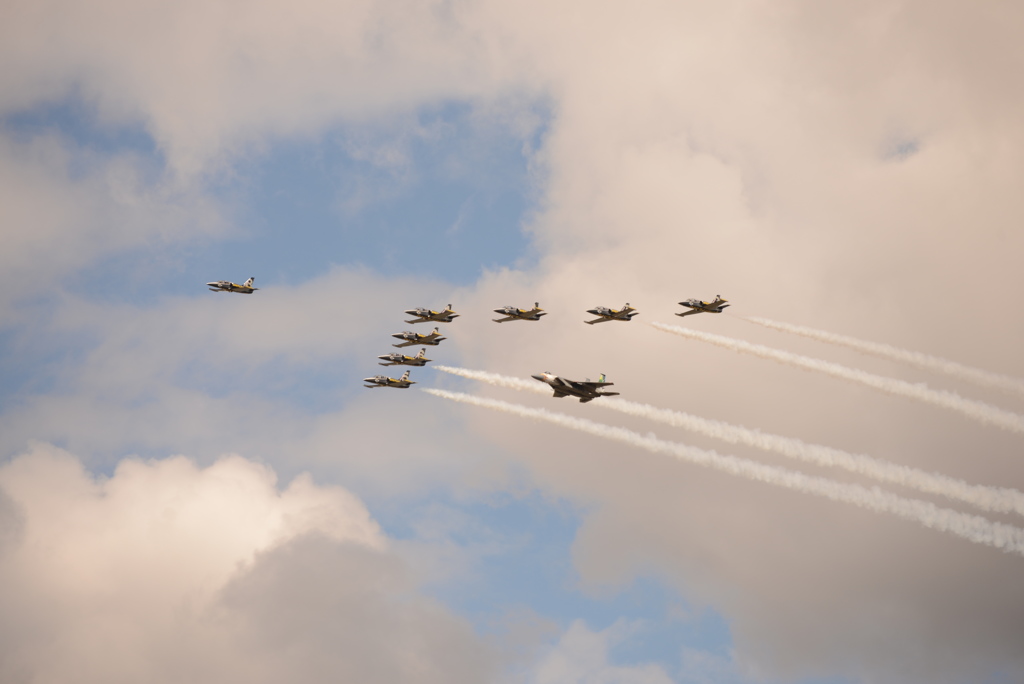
[(166, 571), (582, 657), (209, 79), (64, 207)]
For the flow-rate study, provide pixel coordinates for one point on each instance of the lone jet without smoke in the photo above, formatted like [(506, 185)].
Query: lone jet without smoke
[(696, 306), (399, 359), (585, 390), (413, 338), (511, 313), (384, 381), (603, 314), (429, 315), (228, 286)]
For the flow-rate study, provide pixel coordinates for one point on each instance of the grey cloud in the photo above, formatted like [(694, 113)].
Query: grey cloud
[(340, 611)]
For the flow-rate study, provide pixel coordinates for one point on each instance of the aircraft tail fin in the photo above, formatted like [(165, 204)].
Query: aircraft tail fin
[(249, 282), (423, 352), (405, 376), (601, 379)]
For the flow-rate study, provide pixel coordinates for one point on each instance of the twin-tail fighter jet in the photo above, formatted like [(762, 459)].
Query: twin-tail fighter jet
[(228, 286), (429, 315), (384, 381), (511, 313), (585, 390), (696, 306), (414, 338), (398, 359), (603, 314)]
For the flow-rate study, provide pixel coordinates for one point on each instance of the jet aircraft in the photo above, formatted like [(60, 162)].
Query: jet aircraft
[(585, 390), (228, 286), (398, 359), (412, 338), (603, 314), (384, 381), (428, 315), (511, 313), (696, 306)]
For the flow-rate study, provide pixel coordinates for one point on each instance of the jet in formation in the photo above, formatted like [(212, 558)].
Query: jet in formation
[(585, 390), (228, 286), (696, 306), (511, 313), (398, 359), (414, 338), (384, 381), (603, 314), (429, 315)]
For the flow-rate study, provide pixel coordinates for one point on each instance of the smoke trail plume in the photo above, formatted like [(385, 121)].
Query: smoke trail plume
[(498, 380), (985, 413), (996, 499), (972, 527), (913, 358)]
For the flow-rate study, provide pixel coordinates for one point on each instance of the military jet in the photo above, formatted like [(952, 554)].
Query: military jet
[(428, 315), (397, 359), (696, 306), (511, 313), (603, 314), (228, 286), (384, 381), (412, 338), (585, 390)]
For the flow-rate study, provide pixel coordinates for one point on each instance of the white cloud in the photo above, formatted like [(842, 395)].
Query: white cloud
[(63, 208), (582, 657), (166, 571)]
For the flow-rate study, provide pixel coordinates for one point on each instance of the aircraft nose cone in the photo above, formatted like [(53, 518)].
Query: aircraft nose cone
[(538, 377)]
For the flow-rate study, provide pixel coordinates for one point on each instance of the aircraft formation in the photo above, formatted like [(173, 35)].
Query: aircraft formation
[(584, 390)]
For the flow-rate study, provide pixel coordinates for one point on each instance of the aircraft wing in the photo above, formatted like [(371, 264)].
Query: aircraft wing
[(598, 320), (506, 318), (588, 385), (690, 312), (407, 343)]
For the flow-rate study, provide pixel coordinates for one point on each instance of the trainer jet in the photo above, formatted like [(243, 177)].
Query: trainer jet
[(511, 313), (603, 314), (228, 286), (397, 359), (413, 338), (429, 315), (585, 390), (696, 306), (384, 381)]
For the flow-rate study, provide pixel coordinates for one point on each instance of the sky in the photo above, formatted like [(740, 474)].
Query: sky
[(196, 486)]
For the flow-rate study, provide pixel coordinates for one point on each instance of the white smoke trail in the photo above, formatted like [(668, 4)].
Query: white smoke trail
[(499, 380), (986, 413), (913, 358), (996, 499), (972, 527)]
